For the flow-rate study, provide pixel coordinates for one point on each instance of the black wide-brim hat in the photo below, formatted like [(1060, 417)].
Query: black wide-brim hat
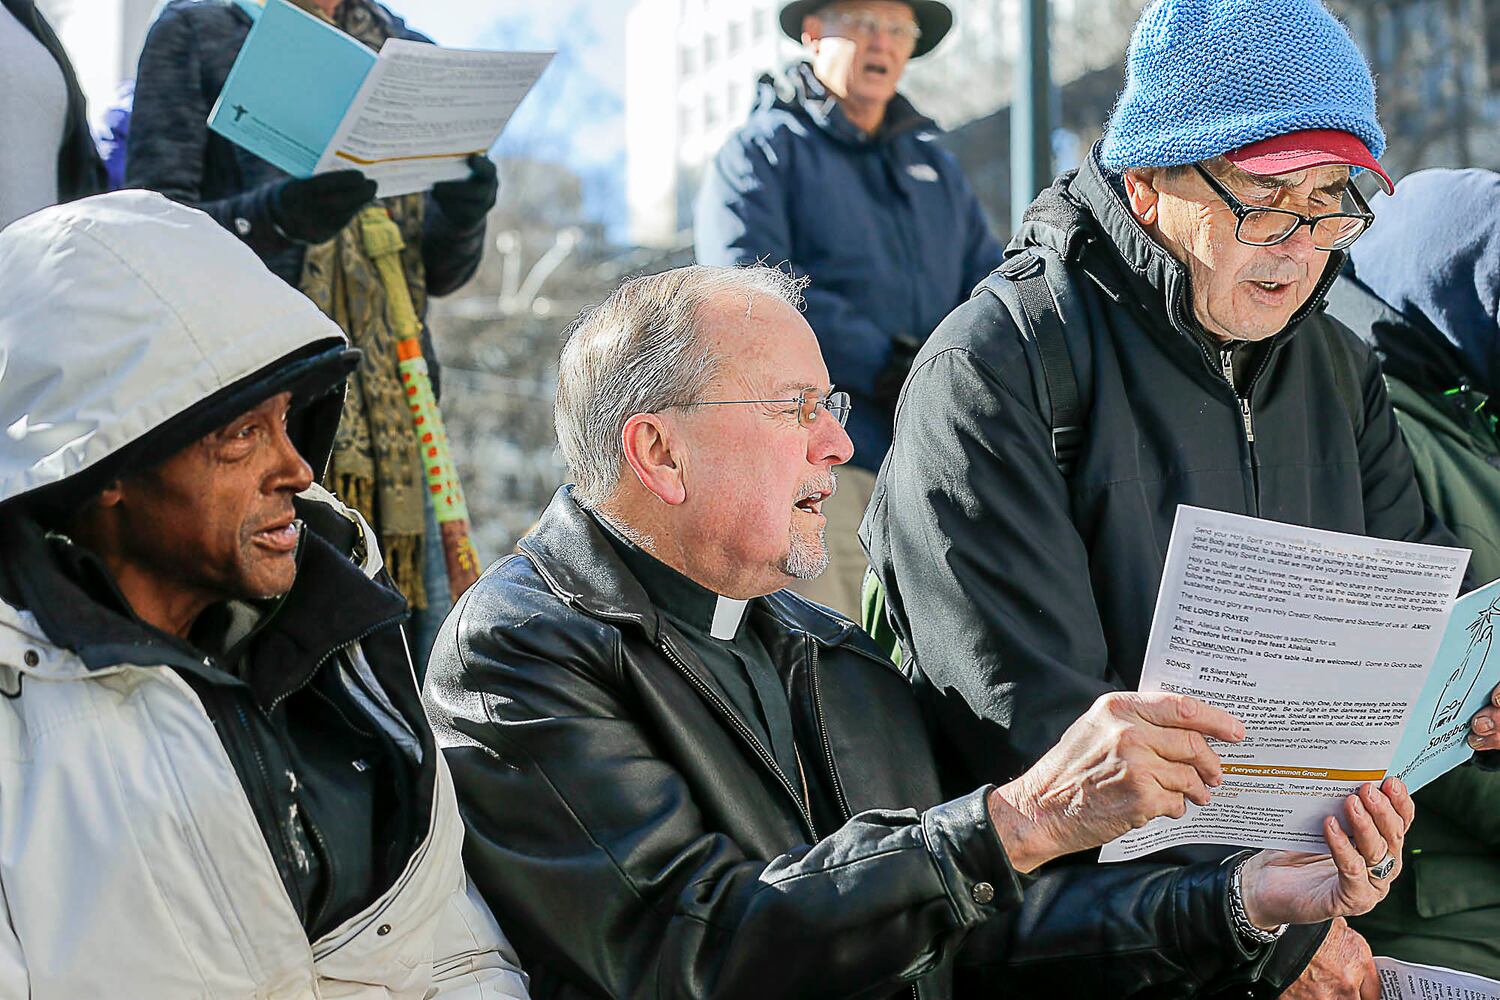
[(933, 18)]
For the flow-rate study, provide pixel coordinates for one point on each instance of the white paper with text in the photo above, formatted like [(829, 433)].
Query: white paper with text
[(1318, 641), (1410, 981), (423, 110)]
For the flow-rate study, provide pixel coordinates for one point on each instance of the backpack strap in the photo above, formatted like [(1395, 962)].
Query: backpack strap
[(1027, 273)]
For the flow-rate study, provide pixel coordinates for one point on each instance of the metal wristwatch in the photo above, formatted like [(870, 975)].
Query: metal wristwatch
[(1247, 931)]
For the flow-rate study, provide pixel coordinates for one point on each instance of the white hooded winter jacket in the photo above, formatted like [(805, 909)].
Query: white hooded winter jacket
[(131, 862)]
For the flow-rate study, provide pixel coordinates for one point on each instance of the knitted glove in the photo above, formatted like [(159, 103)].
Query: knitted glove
[(314, 209), (468, 201)]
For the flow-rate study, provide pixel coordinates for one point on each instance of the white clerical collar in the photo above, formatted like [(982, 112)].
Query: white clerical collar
[(728, 613)]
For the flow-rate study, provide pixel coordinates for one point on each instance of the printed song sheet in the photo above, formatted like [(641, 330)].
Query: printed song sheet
[(1319, 642), (310, 99), (1409, 981), (422, 110)]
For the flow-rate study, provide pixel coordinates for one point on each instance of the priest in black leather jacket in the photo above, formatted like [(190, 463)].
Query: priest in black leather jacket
[(679, 780)]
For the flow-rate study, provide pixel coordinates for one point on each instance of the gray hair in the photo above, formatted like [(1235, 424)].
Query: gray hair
[(642, 351)]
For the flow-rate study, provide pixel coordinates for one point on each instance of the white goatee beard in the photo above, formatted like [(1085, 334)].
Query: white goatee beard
[(806, 560)]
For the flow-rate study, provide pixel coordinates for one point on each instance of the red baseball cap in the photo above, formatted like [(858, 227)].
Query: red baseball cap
[(1285, 154)]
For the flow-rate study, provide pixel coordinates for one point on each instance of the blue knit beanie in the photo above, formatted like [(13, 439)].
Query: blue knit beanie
[(1205, 77)]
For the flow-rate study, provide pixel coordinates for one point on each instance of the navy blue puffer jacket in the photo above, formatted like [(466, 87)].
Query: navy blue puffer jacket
[(885, 225)]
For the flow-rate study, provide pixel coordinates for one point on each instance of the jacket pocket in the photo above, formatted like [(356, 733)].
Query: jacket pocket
[(1452, 883)]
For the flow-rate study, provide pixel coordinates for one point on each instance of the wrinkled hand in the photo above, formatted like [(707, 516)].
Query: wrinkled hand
[(468, 201), (314, 209), (1343, 969), (1484, 729), (1290, 887), (1129, 759)]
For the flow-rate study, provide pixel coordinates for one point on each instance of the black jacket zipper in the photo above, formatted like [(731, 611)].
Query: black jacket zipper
[(712, 697), (330, 861), (1247, 421), (251, 742), (845, 812)]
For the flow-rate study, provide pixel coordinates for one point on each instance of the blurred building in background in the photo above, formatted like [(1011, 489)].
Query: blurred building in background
[(691, 70)]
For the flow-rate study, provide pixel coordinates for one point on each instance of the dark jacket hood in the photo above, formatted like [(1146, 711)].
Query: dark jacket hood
[(1433, 256), (797, 90), (1410, 348), (1083, 217)]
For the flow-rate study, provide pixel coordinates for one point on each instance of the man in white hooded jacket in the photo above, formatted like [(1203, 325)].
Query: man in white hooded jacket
[(215, 775)]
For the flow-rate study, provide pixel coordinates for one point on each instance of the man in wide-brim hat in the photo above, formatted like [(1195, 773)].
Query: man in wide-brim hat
[(836, 177), (933, 20)]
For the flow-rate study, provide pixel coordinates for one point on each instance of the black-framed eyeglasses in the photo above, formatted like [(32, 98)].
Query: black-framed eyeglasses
[(806, 406), (1266, 227)]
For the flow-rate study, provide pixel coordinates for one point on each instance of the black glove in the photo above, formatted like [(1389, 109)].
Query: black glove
[(467, 202), (893, 376), (314, 209)]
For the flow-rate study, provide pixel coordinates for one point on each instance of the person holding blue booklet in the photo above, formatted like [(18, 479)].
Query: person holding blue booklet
[(307, 232)]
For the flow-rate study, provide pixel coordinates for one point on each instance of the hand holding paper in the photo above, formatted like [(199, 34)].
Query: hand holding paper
[(1324, 645), (468, 201), (314, 209), (1484, 728), (1342, 969), (1292, 887), (1129, 759)]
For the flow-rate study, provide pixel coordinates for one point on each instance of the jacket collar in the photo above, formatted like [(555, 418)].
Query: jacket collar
[(799, 90), (582, 569), (76, 604)]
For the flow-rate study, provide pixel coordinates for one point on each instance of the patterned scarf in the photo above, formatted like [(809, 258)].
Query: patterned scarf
[(377, 466)]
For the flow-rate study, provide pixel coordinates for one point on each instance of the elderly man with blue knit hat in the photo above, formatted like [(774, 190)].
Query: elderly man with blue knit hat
[(1154, 338)]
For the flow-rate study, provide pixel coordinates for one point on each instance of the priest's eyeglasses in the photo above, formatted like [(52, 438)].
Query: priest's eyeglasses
[(1266, 227), (806, 406)]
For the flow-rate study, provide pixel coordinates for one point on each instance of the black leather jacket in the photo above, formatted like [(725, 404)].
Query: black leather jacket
[(640, 842)]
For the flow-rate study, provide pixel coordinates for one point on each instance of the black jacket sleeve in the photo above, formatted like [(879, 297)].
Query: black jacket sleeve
[(450, 255), (1150, 930), (167, 148), (992, 584)]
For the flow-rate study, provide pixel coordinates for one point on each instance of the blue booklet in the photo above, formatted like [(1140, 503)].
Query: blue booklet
[(290, 87), (1464, 674)]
